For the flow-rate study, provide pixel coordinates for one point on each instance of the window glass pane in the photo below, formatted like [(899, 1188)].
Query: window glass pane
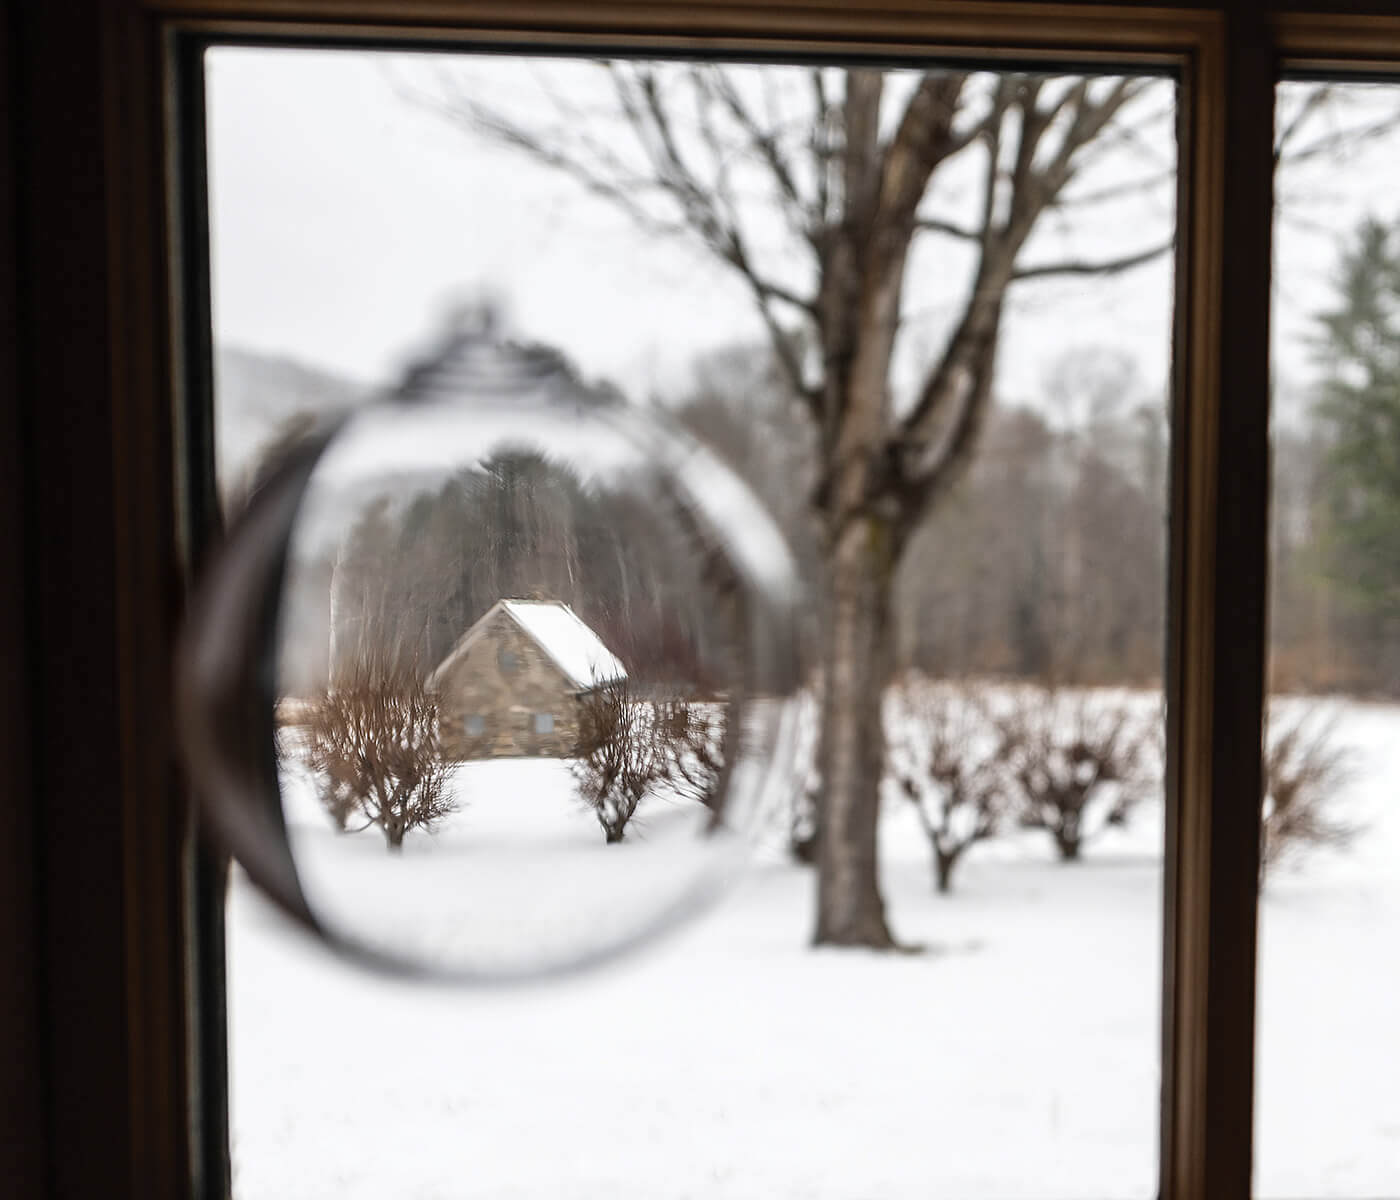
[(1328, 1111), (926, 316)]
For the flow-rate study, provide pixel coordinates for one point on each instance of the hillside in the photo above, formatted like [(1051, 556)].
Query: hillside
[(258, 397)]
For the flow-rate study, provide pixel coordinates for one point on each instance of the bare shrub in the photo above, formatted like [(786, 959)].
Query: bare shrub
[(372, 741), (1304, 769), (693, 739), (627, 748), (946, 755), (619, 756), (336, 782), (1079, 762)]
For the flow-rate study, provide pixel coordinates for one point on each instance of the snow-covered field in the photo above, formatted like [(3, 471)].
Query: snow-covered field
[(1016, 1057), (517, 881)]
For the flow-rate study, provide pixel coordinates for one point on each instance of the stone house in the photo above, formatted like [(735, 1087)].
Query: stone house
[(511, 686)]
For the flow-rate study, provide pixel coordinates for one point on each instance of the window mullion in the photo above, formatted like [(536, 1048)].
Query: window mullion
[(1218, 607)]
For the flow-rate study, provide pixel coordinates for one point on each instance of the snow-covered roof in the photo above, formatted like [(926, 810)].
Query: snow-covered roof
[(575, 649)]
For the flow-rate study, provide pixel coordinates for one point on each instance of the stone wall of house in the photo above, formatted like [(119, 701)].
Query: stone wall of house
[(506, 680)]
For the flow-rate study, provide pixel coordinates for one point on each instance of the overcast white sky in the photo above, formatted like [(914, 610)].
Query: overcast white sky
[(344, 218)]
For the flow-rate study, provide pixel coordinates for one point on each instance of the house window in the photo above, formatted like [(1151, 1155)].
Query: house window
[(1048, 566), (1218, 553), (475, 724)]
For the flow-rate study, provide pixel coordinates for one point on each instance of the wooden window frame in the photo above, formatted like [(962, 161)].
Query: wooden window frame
[(111, 1036)]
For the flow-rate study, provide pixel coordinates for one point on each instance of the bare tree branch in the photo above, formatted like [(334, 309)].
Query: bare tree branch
[(1089, 121), (783, 342), (924, 139), (935, 441), (819, 145), (1315, 100), (716, 211), (1319, 101), (1001, 102), (860, 157), (1345, 139), (622, 188), (949, 228), (1033, 125), (1116, 191), (765, 143), (1105, 266)]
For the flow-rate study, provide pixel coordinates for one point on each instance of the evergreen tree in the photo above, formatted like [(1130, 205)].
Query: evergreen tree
[(1360, 408)]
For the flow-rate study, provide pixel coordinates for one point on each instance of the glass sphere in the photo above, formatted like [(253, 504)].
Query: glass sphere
[(536, 662)]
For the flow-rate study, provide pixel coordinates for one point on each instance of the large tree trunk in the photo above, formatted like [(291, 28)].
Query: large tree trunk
[(859, 659)]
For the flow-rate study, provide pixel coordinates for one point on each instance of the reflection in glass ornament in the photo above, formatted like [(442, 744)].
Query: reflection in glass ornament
[(536, 657)]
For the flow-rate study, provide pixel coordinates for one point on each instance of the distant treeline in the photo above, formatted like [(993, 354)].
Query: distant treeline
[(413, 572), (1046, 561)]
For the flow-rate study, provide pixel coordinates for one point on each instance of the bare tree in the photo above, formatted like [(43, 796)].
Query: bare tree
[(1304, 769), (846, 163), (372, 741), (1079, 762), (946, 755)]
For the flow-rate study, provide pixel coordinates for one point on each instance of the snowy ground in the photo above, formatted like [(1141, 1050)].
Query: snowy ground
[(1016, 1058), (1328, 1114), (518, 880)]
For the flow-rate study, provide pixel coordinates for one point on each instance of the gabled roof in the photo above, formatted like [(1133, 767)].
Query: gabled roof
[(574, 648)]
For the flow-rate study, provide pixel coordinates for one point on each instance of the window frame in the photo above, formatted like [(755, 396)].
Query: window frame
[(117, 1023)]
